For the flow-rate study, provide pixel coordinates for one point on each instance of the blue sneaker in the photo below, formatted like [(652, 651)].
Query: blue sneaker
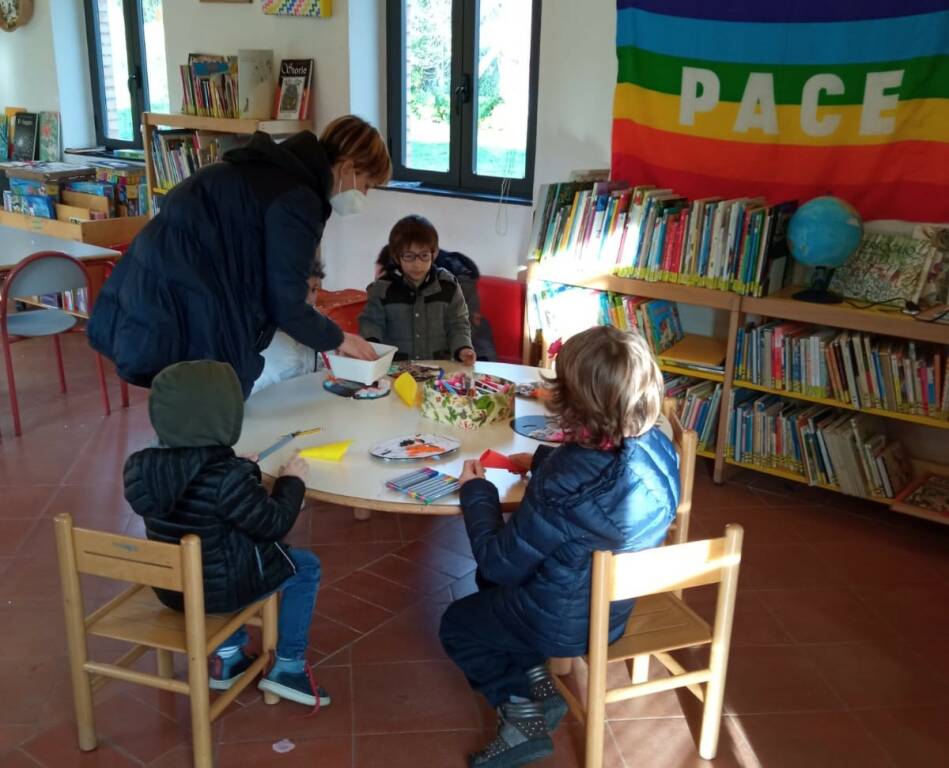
[(223, 673), (296, 686)]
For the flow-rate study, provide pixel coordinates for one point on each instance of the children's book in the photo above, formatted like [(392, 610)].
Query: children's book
[(255, 83), (26, 125), (293, 89), (49, 137), (426, 485), (931, 493), (4, 140), (885, 267), (662, 325)]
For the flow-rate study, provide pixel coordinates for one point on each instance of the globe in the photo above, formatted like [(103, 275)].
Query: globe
[(824, 232)]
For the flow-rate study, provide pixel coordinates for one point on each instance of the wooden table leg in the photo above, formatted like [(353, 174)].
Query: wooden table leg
[(361, 514)]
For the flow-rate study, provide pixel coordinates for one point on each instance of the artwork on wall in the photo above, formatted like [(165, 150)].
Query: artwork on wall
[(318, 8), (15, 13)]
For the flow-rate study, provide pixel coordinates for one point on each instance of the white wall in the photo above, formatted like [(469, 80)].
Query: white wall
[(193, 27), (27, 64)]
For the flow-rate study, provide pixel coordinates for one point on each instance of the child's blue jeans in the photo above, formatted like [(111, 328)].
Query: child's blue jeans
[(297, 601)]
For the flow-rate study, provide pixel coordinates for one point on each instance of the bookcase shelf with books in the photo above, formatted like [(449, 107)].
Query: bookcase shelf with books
[(572, 246), (176, 144)]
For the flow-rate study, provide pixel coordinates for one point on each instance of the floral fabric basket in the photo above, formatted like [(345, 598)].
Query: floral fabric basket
[(491, 399)]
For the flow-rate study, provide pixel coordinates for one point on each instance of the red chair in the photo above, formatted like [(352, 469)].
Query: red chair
[(342, 307), (502, 304), (42, 273)]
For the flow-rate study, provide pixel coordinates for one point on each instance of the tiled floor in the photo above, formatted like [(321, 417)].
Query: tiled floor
[(839, 653)]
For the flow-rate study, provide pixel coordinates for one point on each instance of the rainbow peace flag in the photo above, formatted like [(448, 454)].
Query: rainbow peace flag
[(789, 100)]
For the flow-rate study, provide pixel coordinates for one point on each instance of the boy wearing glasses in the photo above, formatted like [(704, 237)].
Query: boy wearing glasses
[(415, 305)]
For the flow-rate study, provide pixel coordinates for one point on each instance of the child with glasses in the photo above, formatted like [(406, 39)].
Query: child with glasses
[(415, 305)]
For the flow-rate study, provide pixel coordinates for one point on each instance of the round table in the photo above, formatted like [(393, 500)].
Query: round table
[(359, 479)]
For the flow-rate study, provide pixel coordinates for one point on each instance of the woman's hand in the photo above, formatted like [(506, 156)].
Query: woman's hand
[(523, 460), (356, 346), (467, 356), (472, 470), (296, 467)]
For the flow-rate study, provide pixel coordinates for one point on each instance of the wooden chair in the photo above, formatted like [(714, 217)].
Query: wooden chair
[(136, 616), (686, 442), (661, 622)]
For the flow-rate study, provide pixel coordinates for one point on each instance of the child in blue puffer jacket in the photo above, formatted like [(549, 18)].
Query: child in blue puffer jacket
[(613, 485)]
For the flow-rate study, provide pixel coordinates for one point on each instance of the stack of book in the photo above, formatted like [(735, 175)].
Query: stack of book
[(658, 235), (179, 153), (73, 193), (209, 86), (697, 405), (841, 450), (853, 368)]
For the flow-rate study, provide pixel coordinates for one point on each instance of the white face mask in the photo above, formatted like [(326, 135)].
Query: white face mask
[(348, 203)]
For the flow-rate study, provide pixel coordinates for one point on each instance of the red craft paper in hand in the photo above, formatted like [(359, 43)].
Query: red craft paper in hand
[(494, 460)]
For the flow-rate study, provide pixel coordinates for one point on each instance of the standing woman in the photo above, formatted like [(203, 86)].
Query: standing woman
[(225, 262)]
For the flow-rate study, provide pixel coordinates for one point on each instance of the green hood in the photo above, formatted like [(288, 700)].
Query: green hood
[(197, 404)]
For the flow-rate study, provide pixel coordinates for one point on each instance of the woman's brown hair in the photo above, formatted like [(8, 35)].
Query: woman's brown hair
[(350, 137), (608, 386), (412, 230)]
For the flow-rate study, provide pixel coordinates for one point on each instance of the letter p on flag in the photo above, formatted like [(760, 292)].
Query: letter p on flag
[(691, 100)]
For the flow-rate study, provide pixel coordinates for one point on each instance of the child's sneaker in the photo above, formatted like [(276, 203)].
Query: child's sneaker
[(544, 692), (522, 738), (223, 673), (295, 686)]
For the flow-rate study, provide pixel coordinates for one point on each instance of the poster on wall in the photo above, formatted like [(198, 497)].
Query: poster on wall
[(787, 100), (317, 8)]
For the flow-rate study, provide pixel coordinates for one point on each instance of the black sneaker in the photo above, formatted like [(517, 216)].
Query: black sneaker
[(296, 686), (544, 691), (223, 673), (522, 738)]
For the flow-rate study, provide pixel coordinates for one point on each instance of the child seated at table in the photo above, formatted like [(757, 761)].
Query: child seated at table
[(612, 485), (193, 483), (286, 358), (415, 305)]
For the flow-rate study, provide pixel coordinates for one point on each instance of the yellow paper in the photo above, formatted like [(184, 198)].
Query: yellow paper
[(407, 388), (327, 451)]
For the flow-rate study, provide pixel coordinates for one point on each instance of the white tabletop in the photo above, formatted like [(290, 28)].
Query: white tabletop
[(17, 244), (359, 479)]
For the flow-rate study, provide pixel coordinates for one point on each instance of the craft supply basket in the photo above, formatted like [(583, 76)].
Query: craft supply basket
[(472, 409)]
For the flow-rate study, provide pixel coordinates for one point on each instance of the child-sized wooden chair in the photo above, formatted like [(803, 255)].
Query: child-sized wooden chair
[(136, 616), (661, 622), (686, 442)]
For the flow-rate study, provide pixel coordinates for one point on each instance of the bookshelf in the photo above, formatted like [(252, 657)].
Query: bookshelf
[(779, 306), (104, 232), (153, 121)]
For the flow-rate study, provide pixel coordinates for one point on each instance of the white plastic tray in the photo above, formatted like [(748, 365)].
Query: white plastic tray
[(364, 371)]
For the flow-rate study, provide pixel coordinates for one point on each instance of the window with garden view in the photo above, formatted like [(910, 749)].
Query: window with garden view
[(127, 63), (463, 93)]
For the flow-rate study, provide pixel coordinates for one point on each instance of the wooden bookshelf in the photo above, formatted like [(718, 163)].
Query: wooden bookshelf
[(104, 232), (880, 321), (152, 121)]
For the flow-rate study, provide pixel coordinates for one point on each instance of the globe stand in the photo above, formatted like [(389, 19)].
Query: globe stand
[(818, 293)]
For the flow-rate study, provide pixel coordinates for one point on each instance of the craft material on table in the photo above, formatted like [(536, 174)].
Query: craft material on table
[(327, 451), (357, 390), (426, 485), (493, 460), (468, 401), (534, 389), (417, 371), (418, 446), (407, 388), (284, 440), (544, 428)]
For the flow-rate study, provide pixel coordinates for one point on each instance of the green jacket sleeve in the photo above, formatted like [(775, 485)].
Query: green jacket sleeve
[(459, 329), (372, 321)]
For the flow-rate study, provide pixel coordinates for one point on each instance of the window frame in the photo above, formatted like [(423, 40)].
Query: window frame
[(138, 73), (460, 177)]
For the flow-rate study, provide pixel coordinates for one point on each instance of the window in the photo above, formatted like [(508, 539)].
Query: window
[(463, 93), (127, 62)]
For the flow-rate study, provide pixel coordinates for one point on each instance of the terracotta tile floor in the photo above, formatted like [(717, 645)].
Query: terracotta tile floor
[(838, 656)]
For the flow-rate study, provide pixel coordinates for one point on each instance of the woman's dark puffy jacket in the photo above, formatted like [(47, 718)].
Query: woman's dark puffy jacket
[(218, 496), (578, 501)]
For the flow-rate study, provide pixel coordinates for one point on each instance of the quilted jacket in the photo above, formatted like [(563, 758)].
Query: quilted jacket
[(578, 501)]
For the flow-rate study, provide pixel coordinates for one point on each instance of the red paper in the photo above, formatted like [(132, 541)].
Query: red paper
[(495, 460)]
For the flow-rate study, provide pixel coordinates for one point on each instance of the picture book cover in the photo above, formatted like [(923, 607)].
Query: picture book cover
[(49, 148), (25, 127), (931, 493), (665, 330), (293, 89), (4, 140), (255, 83), (885, 267)]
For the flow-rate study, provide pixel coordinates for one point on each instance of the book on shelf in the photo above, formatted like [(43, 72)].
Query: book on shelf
[(209, 86), (855, 369), (656, 234), (255, 83), (930, 492), (697, 405), (705, 353), (178, 153), (295, 81), (825, 446), (885, 268), (25, 133), (49, 137)]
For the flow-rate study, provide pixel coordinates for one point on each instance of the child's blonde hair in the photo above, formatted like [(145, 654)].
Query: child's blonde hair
[(608, 386)]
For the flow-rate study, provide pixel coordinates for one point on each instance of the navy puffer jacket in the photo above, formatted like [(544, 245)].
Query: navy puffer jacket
[(222, 266), (578, 501)]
